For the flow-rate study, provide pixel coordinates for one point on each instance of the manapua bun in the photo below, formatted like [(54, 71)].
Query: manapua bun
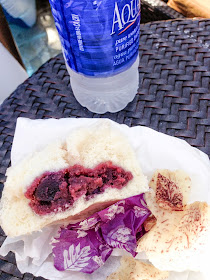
[(85, 146)]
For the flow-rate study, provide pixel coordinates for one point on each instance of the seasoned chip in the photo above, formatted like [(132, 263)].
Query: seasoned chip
[(179, 238), (132, 269), (125, 271), (172, 189)]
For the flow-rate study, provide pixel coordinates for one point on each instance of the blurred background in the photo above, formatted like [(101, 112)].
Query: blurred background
[(38, 43)]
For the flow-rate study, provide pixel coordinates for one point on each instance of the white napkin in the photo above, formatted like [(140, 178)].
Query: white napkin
[(153, 149)]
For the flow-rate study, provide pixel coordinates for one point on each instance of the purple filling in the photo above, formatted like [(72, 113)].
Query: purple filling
[(48, 187), (57, 191)]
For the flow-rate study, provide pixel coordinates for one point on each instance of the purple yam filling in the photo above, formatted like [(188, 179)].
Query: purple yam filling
[(57, 191)]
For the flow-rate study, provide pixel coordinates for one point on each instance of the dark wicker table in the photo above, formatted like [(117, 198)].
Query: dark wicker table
[(173, 96)]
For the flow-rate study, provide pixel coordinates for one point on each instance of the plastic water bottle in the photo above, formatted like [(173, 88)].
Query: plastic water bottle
[(100, 41), (22, 12)]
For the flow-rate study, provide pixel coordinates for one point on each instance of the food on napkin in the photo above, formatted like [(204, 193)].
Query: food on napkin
[(93, 168), (132, 269), (178, 239), (87, 245)]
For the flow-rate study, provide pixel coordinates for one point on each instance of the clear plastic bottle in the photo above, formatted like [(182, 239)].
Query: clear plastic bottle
[(110, 94), (100, 40)]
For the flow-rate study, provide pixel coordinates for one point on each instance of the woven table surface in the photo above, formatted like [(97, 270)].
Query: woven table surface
[(173, 96)]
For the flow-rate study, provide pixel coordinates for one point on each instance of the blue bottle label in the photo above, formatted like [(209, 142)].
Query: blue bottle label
[(99, 37)]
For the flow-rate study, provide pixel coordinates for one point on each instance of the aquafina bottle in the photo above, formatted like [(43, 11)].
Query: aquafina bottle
[(100, 42)]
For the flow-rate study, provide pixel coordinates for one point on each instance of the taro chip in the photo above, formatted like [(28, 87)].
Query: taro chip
[(85, 246)]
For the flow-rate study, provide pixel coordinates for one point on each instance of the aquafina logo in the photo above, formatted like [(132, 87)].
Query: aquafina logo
[(125, 16)]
